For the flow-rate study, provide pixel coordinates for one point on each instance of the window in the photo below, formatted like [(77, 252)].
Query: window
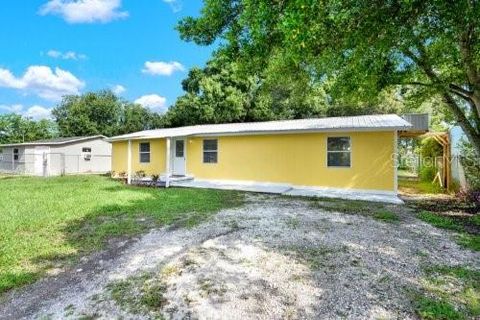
[(144, 152), (179, 148), (15, 154), (87, 150), (210, 151), (338, 152)]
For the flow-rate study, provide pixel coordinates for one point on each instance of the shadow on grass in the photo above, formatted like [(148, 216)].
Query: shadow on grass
[(123, 220)]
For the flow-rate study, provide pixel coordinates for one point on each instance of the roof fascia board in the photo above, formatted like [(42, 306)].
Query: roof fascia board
[(26, 144), (265, 132)]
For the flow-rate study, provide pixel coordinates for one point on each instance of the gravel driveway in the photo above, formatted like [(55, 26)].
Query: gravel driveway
[(275, 257)]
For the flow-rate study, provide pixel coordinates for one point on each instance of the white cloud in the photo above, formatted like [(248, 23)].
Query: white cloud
[(38, 112), (14, 108), (85, 11), (54, 54), (153, 101), (7, 79), (69, 55), (162, 68), (118, 89), (35, 112), (43, 81), (176, 5)]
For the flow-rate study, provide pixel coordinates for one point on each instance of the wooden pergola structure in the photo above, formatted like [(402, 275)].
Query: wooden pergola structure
[(443, 138)]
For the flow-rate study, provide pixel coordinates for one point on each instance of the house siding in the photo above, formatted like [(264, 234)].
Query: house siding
[(298, 159), (67, 159), (157, 157)]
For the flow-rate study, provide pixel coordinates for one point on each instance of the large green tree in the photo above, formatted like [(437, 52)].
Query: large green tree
[(224, 91), (360, 48), (102, 113), (17, 129)]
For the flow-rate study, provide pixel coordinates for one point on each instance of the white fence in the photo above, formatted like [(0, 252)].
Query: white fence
[(53, 164)]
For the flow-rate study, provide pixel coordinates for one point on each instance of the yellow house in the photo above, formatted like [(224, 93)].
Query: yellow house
[(355, 153)]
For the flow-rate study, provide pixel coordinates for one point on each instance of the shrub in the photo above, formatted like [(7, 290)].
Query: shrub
[(470, 196), (430, 148), (427, 174), (140, 174)]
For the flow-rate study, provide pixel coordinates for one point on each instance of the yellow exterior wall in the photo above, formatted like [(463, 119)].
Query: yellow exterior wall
[(157, 157), (298, 159)]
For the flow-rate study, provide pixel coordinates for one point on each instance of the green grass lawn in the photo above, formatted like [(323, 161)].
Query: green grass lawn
[(406, 173), (450, 293), (470, 240), (419, 187), (47, 222)]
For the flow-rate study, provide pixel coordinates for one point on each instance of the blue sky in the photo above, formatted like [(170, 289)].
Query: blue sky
[(54, 47)]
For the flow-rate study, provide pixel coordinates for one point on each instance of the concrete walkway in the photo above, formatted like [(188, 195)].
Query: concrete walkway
[(289, 190)]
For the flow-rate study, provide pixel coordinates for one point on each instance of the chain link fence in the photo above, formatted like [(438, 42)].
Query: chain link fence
[(53, 164)]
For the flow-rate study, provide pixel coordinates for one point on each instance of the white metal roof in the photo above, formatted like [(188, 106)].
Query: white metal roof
[(54, 142), (356, 123)]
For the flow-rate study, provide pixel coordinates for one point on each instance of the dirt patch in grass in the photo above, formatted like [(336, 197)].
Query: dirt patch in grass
[(143, 294), (375, 210), (347, 206), (316, 257), (386, 216), (447, 204)]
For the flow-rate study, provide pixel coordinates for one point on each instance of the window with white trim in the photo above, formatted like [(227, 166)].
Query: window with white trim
[(339, 152), (210, 151), (144, 152)]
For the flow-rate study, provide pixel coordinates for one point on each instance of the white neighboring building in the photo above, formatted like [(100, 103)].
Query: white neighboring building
[(75, 155), (458, 173)]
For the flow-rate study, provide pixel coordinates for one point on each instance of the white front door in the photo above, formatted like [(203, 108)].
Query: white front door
[(179, 163)]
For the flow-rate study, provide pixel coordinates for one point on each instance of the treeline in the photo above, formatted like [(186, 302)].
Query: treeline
[(215, 94), (92, 113)]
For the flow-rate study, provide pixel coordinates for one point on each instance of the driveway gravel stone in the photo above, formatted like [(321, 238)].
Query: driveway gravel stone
[(275, 257)]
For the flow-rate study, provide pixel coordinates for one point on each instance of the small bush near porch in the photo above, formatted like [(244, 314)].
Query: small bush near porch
[(46, 223)]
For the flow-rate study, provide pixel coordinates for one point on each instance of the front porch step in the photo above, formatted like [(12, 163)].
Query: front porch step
[(176, 178), (149, 183)]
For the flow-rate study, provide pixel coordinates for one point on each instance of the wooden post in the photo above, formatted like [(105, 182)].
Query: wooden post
[(448, 162), (129, 162)]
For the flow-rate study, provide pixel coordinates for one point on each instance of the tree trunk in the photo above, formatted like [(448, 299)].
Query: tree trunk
[(471, 132)]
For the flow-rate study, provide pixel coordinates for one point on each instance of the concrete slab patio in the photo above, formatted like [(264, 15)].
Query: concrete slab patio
[(231, 185), (289, 190)]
